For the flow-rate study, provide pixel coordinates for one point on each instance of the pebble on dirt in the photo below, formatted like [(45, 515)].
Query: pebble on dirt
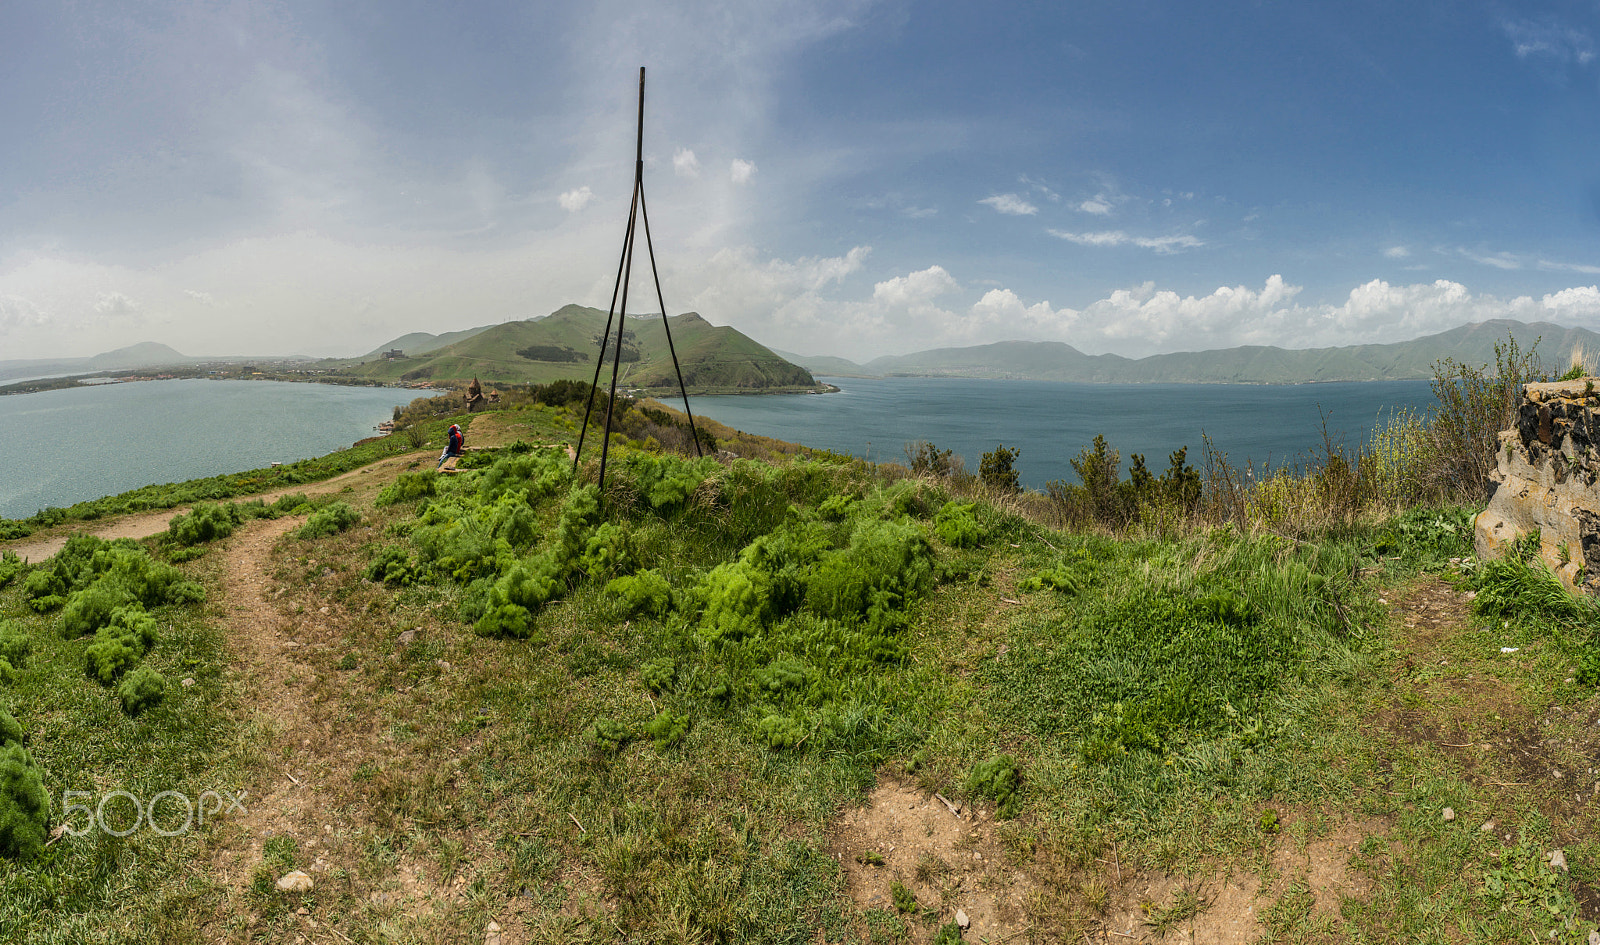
[(296, 881)]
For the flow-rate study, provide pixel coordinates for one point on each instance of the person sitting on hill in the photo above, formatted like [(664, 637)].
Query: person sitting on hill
[(452, 449)]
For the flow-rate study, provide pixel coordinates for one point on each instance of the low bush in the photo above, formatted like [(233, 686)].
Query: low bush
[(644, 592), (14, 644), (998, 779), (957, 525), (24, 806), (121, 643), (11, 567), (667, 729), (409, 486), (393, 565), (205, 522), (142, 689), (329, 521)]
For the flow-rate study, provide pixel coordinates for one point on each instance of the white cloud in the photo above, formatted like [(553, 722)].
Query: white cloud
[(685, 164), (913, 289), (1010, 204), (740, 171), (204, 298), (17, 312), (1161, 244), (1497, 260), (574, 200), (1097, 205), (1586, 269), (1397, 252), (1549, 40), (115, 305)]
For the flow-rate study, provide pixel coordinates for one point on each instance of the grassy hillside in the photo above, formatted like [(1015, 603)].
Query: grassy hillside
[(809, 700), (421, 342), (564, 344), (1054, 361)]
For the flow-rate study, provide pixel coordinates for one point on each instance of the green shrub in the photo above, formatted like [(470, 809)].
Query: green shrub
[(957, 525), (887, 566), (659, 674), (24, 806), (91, 608), (409, 486), (997, 469), (609, 550), (1511, 587), (607, 735), (14, 644), (10, 567), (205, 522), (645, 592), (329, 521), (667, 729), (737, 601), (142, 689), (392, 566), (526, 586), (121, 643), (781, 731), (999, 779), (44, 584), (10, 729)]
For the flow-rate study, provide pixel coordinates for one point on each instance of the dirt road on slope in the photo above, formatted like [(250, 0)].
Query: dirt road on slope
[(362, 482)]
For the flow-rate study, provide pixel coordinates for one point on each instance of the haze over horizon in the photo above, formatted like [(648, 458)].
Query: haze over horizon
[(841, 177)]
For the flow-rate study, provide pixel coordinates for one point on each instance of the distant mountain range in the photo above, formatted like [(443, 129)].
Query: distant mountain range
[(146, 354), (564, 344), (1055, 361)]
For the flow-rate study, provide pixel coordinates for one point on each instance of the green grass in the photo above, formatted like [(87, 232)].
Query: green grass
[(691, 674)]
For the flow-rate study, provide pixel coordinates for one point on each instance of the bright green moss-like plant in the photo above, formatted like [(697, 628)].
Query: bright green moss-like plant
[(409, 486), (329, 521), (24, 806), (646, 592), (141, 689), (14, 644), (667, 729), (957, 525), (205, 522), (121, 643), (999, 779)]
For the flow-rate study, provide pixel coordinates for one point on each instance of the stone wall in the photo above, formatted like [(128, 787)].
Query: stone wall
[(1547, 469)]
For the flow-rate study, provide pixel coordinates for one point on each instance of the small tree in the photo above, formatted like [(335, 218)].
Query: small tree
[(929, 460), (1099, 469), (1474, 406), (997, 470)]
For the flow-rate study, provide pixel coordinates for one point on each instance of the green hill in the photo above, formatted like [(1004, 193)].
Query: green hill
[(1055, 361), (420, 342), (564, 344)]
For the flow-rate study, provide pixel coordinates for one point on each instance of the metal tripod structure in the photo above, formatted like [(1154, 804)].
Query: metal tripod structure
[(636, 213)]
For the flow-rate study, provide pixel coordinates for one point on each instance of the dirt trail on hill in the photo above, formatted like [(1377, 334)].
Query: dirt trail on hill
[(144, 524)]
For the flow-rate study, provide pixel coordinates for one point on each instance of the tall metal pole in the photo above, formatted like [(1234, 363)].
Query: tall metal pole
[(619, 308)]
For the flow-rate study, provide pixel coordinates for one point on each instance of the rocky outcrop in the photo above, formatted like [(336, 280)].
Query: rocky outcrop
[(1547, 469)]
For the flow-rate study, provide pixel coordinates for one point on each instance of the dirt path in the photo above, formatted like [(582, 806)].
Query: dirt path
[(369, 478)]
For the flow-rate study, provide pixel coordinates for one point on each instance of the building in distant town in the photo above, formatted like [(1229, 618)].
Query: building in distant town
[(393, 354)]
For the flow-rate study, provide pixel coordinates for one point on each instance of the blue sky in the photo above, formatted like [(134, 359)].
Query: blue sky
[(835, 177)]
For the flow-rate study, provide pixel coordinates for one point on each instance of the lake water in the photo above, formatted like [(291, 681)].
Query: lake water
[(72, 445), (1051, 422)]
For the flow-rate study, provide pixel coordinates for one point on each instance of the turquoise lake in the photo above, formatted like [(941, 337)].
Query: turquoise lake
[(1051, 422), (77, 444), (72, 445)]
